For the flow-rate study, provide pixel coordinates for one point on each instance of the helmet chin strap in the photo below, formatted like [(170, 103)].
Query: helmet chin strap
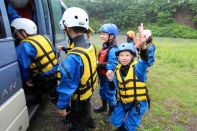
[(23, 34), (65, 28)]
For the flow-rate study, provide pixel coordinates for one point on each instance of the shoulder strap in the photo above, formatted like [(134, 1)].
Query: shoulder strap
[(89, 62), (44, 51)]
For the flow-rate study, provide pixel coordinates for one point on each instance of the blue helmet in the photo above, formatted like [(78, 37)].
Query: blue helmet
[(127, 47), (110, 29)]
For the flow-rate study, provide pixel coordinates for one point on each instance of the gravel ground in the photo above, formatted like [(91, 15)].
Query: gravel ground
[(47, 119)]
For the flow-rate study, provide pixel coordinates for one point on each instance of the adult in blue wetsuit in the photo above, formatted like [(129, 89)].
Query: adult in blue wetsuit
[(36, 56), (77, 73), (107, 61)]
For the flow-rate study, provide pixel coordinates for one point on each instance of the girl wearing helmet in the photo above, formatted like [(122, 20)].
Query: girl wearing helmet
[(77, 72), (107, 61), (130, 80)]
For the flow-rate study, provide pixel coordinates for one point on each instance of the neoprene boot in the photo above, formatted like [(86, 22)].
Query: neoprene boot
[(102, 108), (121, 128), (89, 123)]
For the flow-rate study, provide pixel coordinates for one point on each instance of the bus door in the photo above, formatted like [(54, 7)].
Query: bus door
[(53, 12), (13, 109)]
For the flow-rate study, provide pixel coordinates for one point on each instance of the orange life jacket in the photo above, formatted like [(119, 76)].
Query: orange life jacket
[(102, 58)]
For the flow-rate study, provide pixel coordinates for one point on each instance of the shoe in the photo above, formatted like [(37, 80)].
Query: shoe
[(89, 123), (121, 128)]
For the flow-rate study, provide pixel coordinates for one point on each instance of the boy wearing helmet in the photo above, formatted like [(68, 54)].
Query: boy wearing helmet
[(36, 56), (131, 86), (77, 72), (107, 61)]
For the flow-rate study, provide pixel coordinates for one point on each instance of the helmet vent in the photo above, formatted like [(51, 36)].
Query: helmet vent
[(86, 19), (76, 17)]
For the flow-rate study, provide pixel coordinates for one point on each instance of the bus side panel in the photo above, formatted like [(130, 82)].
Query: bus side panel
[(7, 52), (14, 114), (10, 81)]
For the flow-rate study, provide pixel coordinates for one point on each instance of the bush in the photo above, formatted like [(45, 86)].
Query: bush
[(173, 30)]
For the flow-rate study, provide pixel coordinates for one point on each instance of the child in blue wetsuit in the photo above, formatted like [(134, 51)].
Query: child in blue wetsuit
[(77, 72), (107, 61), (36, 57), (130, 81)]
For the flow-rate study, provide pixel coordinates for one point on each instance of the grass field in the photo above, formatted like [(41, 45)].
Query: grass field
[(172, 84)]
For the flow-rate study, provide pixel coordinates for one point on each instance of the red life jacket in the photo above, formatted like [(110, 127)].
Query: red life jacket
[(102, 58)]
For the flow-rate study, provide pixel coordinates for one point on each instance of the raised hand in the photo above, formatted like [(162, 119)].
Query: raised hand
[(140, 39)]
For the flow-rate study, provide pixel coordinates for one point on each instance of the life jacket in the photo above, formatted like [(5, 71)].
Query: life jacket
[(130, 89), (70, 46), (45, 59), (103, 57), (88, 81)]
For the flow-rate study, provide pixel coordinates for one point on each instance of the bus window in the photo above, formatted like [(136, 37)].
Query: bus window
[(2, 27), (46, 15), (56, 14)]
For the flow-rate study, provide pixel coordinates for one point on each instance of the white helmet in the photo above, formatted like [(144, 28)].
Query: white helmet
[(19, 3), (61, 26), (75, 17), (147, 33), (25, 24)]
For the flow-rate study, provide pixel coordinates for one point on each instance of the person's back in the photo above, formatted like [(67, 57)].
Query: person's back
[(77, 72), (35, 54)]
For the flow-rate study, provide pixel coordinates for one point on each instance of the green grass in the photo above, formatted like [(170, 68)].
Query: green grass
[(172, 85)]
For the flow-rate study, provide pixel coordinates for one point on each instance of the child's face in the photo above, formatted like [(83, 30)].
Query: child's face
[(125, 57), (104, 37)]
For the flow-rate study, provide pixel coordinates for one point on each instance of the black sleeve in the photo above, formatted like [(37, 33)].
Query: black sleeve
[(144, 55), (101, 65), (111, 85)]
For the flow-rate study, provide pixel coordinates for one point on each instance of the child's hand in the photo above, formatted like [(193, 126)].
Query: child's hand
[(59, 48), (62, 113), (29, 83), (110, 75), (141, 38)]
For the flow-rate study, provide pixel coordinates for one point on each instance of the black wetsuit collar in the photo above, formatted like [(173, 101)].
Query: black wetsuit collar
[(81, 41)]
